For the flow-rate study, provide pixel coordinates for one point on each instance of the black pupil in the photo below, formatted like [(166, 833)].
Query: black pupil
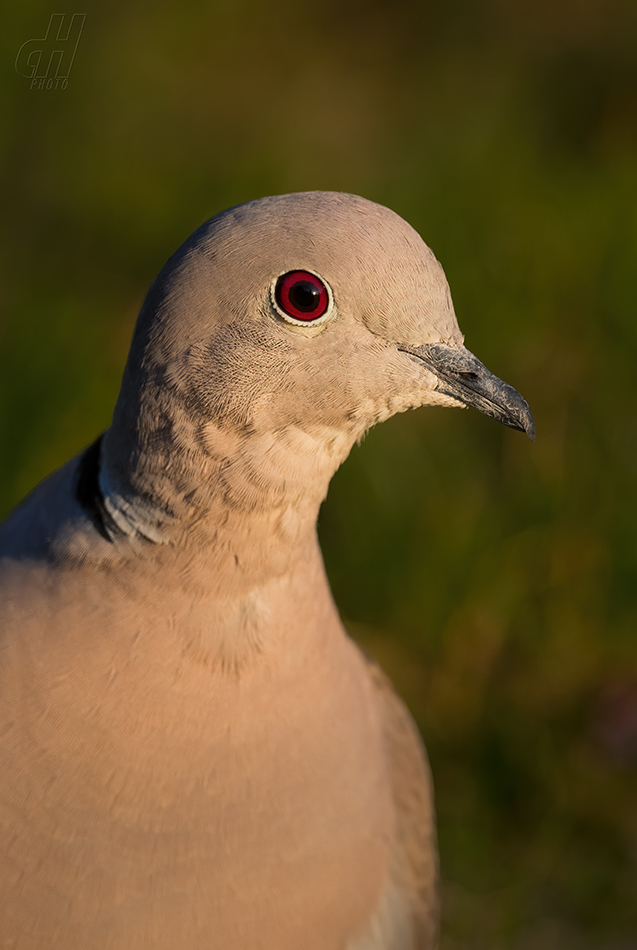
[(305, 296)]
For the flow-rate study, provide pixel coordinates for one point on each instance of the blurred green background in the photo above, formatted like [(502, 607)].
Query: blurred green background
[(496, 580)]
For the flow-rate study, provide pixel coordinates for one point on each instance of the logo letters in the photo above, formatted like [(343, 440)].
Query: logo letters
[(47, 62)]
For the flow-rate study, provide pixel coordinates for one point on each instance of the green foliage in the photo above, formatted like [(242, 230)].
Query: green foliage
[(495, 579)]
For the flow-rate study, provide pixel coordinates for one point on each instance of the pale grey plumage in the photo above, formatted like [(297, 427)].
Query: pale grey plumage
[(194, 753)]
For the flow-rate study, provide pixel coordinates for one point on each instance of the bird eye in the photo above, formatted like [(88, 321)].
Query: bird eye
[(301, 295)]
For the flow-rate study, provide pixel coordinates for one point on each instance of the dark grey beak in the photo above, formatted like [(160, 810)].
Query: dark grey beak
[(463, 377)]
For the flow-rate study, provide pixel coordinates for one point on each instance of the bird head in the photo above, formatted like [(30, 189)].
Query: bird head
[(282, 330)]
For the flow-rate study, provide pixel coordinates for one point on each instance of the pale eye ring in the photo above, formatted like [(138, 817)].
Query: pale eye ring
[(301, 296)]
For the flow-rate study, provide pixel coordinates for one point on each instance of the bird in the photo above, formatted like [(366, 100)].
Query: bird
[(195, 754)]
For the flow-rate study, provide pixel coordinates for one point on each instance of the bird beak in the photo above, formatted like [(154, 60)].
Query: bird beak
[(463, 377)]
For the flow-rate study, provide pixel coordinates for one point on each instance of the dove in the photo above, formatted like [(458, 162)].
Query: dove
[(194, 753)]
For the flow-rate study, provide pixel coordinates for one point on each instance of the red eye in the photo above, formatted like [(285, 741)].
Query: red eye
[(301, 295)]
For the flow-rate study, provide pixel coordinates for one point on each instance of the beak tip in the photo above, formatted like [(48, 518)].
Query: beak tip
[(529, 427)]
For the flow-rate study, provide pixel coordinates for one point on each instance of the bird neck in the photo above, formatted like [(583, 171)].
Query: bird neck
[(245, 506)]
